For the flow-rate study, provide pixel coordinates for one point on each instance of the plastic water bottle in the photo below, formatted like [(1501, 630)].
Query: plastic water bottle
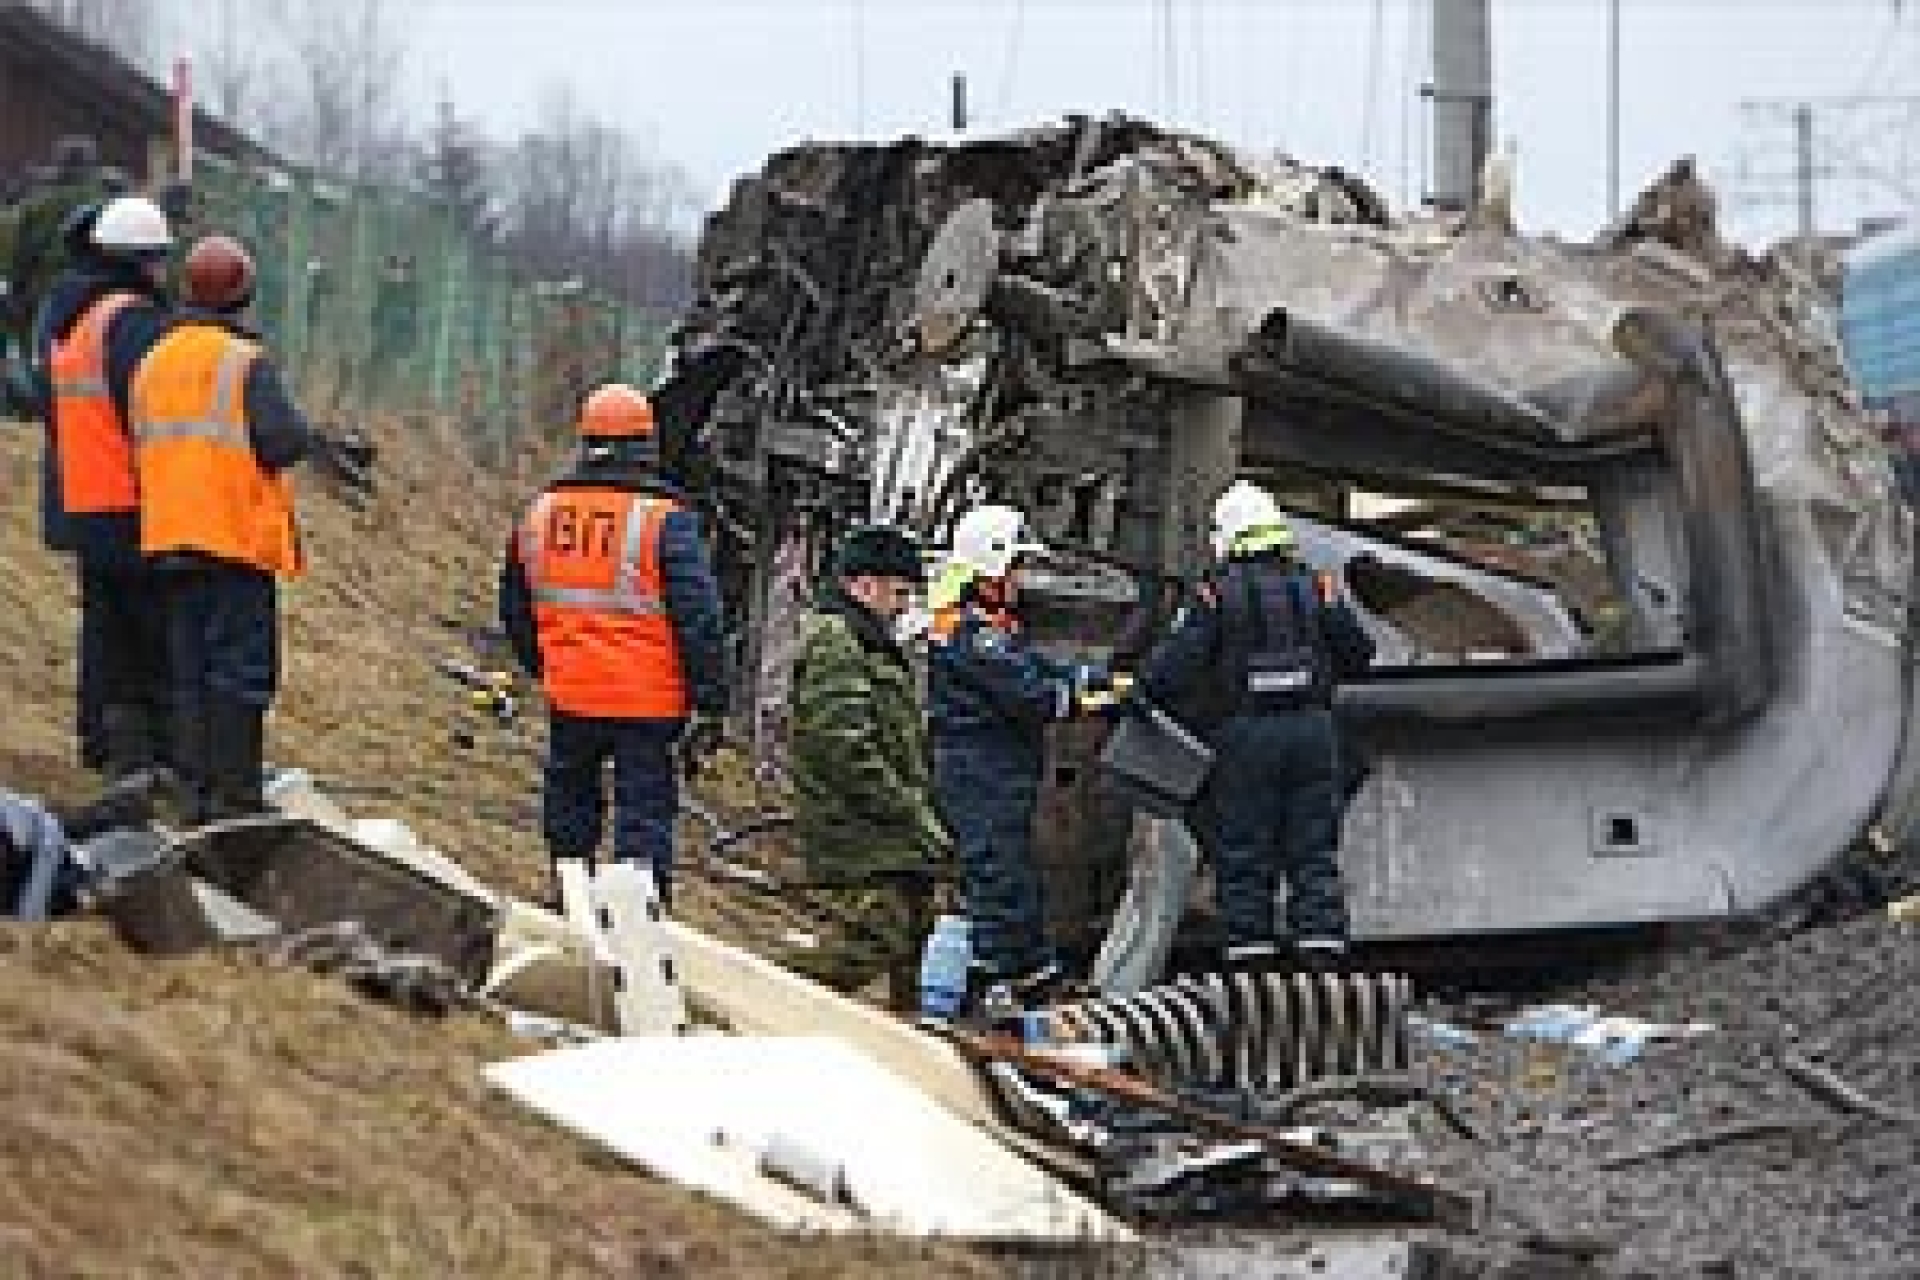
[(943, 967)]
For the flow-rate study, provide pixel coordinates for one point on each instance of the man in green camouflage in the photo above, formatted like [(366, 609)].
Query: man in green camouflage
[(863, 783)]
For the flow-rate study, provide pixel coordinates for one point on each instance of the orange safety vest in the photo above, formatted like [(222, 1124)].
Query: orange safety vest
[(607, 647), (96, 455), (201, 487)]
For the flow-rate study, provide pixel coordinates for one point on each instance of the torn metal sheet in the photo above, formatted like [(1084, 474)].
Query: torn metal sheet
[(804, 1132), (298, 875), (1637, 564)]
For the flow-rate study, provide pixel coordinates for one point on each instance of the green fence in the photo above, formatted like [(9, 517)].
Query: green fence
[(377, 299)]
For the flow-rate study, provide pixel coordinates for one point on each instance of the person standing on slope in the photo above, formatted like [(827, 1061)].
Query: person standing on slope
[(607, 597)]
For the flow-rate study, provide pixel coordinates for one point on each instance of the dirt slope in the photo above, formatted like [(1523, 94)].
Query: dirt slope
[(208, 1116)]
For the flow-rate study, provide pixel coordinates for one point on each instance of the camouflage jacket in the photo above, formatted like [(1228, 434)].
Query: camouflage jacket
[(863, 782)]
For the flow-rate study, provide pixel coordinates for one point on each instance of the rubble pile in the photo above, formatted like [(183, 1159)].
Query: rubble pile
[(1780, 1143)]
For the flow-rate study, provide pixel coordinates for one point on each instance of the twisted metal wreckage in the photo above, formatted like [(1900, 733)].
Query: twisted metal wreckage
[(1637, 569), (1638, 573)]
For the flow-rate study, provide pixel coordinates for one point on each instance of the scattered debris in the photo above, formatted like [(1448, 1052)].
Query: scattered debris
[(1416, 1195), (1707, 1139), (1825, 1083), (408, 980), (1616, 1040)]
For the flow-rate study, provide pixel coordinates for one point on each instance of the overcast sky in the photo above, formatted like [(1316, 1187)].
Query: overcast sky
[(720, 83)]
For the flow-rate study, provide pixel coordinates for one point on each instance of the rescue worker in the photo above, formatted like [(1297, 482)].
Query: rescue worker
[(99, 319), (991, 697), (863, 800), (607, 598), (215, 433), (1250, 665)]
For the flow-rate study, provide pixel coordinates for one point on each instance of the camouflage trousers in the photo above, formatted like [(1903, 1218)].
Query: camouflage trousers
[(870, 932)]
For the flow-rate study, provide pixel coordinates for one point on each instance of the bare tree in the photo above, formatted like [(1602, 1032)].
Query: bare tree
[(232, 62), (456, 165), (346, 63), (584, 198)]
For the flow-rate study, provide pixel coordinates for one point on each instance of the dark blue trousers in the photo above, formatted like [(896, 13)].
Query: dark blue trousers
[(122, 649), (223, 630), (646, 789), (1271, 808), (987, 793)]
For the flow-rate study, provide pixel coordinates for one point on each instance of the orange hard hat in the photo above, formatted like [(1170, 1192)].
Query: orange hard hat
[(616, 410), (218, 274)]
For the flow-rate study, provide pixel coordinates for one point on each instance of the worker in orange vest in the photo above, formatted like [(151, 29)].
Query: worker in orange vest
[(214, 434), (99, 319), (607, 597)]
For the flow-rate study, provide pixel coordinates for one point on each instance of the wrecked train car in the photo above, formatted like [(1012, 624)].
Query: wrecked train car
[(1639, 574)]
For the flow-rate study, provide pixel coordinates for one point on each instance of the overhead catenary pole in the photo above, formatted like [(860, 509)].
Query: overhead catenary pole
[(1855, 138), (1803, 170), (858, 12), (1613, 110), (1462, 96), (183, 118), (959, 102)]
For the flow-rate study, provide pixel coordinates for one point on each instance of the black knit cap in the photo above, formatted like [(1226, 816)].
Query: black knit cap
[(879, 551)]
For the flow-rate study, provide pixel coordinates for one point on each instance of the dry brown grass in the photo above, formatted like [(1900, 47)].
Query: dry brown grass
[(209, 1117)]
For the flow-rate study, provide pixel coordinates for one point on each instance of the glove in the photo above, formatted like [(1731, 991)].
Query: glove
[(24, 392), (348, 456), (703, 736), (1106, 698)]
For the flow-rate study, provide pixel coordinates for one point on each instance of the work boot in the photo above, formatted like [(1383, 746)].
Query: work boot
[(190, 762), (236, 742), (128, 802), (1251, 957), (1320, 955), (132, 740)]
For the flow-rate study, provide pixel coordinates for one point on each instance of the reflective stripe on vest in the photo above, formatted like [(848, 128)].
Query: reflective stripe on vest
[(202, 489), (628, 594), (607, 644), (96, 456), (225, 423)]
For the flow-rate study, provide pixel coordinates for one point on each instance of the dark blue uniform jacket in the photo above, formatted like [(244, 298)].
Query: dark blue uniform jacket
[(1192, 653), (986, 684)]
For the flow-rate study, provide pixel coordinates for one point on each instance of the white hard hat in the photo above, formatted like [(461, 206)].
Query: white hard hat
[(132, 225), (987, 539), (1241, 509)]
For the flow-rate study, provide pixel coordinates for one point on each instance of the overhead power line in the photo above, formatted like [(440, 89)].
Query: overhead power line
[(1376, 39), (1010, 63), (1170, 54)]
